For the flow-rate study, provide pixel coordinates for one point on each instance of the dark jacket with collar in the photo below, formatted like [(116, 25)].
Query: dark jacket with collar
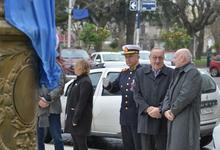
[(79, 106), (125, 84), (150, 91)]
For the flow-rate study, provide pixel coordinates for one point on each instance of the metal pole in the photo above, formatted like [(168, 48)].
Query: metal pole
[(71, 5), (138, 13)]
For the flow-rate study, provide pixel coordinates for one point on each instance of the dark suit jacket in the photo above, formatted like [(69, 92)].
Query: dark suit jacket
[(79, 106), (125, 83), (150, 91)]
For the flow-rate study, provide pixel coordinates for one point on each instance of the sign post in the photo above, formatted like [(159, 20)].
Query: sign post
[(138, 18), (141, 6), (71, 5)]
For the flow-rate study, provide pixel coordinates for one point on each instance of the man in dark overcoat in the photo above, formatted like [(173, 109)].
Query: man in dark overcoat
[(182, 104), (151, 84), (128, 111)]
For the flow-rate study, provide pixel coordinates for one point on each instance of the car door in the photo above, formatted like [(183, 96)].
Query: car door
[(106, 108), (95, 78)]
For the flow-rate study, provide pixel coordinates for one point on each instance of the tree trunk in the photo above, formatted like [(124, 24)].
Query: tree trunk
[(216, 33), (98, 47), (200, 44), (121, 35), (130, 27)]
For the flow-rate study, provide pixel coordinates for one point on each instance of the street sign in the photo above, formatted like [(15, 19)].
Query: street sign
[(149, 5), (133, 5)]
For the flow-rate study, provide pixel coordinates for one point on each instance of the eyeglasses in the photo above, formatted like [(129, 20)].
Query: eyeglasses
[(155, 57)]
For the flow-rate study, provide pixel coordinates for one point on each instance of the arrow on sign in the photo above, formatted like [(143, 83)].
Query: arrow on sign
[(133, 6)]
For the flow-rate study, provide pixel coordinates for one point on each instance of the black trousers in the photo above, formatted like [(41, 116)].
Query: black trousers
[(153, 142), (79, 142), (130, 138)]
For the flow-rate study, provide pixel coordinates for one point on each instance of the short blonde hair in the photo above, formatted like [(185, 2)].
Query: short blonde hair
[(83, 66)]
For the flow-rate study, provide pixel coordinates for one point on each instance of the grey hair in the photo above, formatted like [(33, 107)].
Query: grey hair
[(186, 52)]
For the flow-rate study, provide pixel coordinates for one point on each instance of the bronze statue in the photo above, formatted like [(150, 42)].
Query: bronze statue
[(18, 89)]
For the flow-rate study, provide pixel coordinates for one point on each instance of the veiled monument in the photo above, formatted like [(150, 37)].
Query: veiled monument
[(18, 84)]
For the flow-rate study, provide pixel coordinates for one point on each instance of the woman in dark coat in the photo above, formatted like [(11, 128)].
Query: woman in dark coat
[(79, 106)]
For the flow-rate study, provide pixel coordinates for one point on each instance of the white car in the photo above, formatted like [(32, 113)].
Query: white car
[(106, 105), (216, 137), (144, 58), (108, 59), (116, 59)]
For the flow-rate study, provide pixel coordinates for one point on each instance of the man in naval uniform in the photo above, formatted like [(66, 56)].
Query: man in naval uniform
[(128, 112)]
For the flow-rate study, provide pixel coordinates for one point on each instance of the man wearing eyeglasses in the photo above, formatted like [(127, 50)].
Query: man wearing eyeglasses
[(151, 84)]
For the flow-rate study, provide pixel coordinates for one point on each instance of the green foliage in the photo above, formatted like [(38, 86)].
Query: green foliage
[(92, 35), (175, 38), (102, 34), (200, 62)]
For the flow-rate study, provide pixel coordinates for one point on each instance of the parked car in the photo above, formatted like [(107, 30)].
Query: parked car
[(68, 57), (214, 66), (144, 58), (216, 137), (169, 55), (108, 59), (107, 105)]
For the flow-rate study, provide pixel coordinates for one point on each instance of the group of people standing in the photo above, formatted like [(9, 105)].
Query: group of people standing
[(160, 108)]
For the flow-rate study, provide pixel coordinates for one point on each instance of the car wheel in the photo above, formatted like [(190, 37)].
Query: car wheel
[(205, 140), (47, 136), (214, 72)]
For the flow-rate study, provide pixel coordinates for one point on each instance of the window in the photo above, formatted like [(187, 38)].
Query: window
[(208, 85), (98, 58), (111, 76), (113, 57), (144, 55), (95, 77), (71, 53)]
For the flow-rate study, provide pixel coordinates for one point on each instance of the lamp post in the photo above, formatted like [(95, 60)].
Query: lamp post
[(138, 14), (71, 5)]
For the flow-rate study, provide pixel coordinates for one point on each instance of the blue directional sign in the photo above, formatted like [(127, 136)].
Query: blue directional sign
[(133, 5), (149, 5)]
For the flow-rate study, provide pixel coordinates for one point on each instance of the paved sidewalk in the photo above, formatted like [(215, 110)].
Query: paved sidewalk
[(51, 147)]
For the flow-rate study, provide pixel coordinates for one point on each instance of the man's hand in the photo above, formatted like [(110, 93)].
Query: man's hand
[(43, 102), (147, 110), (105, 82), (169, 115), (155, 112)]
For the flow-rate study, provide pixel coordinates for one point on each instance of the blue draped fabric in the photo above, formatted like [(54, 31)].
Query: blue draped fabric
[(36, 18)]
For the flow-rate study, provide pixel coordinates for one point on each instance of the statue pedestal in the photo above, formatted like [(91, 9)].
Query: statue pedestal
[(18, 89)]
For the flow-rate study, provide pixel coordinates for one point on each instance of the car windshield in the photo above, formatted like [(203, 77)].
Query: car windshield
[(66, 53), (113, 57), (144, 55), (169, 56)]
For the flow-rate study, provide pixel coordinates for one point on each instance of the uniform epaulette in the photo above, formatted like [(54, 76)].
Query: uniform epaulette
[(124, 69)]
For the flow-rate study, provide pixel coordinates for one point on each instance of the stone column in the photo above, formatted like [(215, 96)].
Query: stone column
[(18, 89)]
